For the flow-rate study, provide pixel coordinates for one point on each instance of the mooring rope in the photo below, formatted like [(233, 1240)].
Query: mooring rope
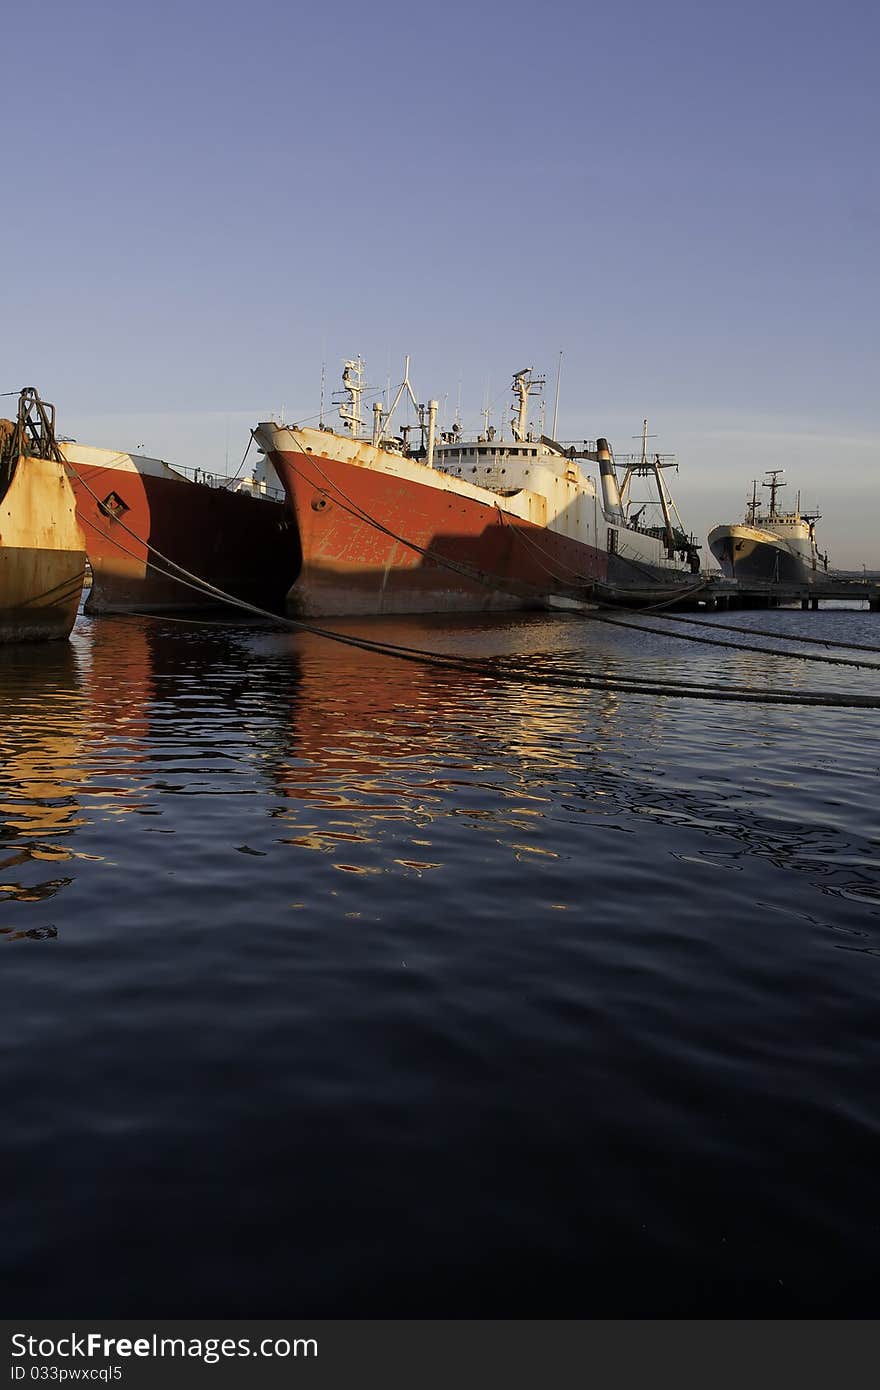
[(639, 626), (64, 589), (501, 668), (765, 632)]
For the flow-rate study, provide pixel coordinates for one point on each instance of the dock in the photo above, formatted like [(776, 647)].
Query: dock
[(721, 593)]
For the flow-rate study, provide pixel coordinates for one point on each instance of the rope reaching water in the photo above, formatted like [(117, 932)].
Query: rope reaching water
[(640, 626), (517, 669), (765, 632)]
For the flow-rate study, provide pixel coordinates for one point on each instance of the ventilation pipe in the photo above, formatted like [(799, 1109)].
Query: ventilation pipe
[(433, 407)]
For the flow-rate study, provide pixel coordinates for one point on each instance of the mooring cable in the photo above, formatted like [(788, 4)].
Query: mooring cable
[(604, 617), (765, 632), (491, 667)]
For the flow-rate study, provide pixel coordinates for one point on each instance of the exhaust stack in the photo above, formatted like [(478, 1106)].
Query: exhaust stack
[(610, 491)]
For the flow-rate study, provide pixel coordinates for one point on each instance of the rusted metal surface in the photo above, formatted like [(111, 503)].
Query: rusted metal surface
[(42, 552), (138, 513), (484, 523), (442, 544)]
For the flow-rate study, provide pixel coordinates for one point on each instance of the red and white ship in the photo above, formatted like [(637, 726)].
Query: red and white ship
[(152, 532), (457, 524)]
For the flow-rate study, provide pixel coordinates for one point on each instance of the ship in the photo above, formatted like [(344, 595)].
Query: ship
[(439, 522), (42, 547), (157, 535), (772, 546)]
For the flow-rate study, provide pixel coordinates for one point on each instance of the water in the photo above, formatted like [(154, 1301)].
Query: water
[(344, 986)]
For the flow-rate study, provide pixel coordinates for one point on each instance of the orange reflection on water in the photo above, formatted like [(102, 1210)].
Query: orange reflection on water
[(41, 724)]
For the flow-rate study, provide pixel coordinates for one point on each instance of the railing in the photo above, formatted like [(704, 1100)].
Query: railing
[(228, 484)]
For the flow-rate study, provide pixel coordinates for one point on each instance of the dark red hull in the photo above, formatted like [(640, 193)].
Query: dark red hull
[(136, 522)]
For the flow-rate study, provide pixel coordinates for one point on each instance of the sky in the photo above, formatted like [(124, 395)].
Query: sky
[(205, 203)]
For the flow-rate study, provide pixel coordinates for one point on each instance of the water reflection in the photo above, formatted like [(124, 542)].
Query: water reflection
[(230, 740), (376, 748), (42, 714)]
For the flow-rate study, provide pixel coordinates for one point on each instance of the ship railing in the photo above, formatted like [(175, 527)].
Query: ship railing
[(577, 448), (249, 486)]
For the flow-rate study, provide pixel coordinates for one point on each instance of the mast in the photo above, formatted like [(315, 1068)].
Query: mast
[(774, 486), (404, 386), (752, 504), (664, 503), (524, 385), (643, 467), (556, 405), (350, 406)]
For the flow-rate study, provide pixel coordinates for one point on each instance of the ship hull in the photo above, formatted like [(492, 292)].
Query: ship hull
[(375, 542), (752, 555), (140, 522), (42, 553)]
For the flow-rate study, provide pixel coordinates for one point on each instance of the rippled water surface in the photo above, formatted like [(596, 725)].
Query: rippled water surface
[(338, 984)]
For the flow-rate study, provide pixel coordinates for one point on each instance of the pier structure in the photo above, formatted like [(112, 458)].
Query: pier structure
[(721, 593)]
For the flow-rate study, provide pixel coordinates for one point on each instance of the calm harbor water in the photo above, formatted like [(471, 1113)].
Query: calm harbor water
[(347, 986)]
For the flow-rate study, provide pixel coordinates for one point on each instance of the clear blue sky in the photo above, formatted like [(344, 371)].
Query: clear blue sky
[(203, 202)]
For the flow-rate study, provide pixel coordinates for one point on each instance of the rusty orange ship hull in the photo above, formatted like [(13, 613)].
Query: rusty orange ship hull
[(376, 542)]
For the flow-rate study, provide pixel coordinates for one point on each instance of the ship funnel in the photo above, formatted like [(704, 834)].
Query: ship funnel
[(608, 475)]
